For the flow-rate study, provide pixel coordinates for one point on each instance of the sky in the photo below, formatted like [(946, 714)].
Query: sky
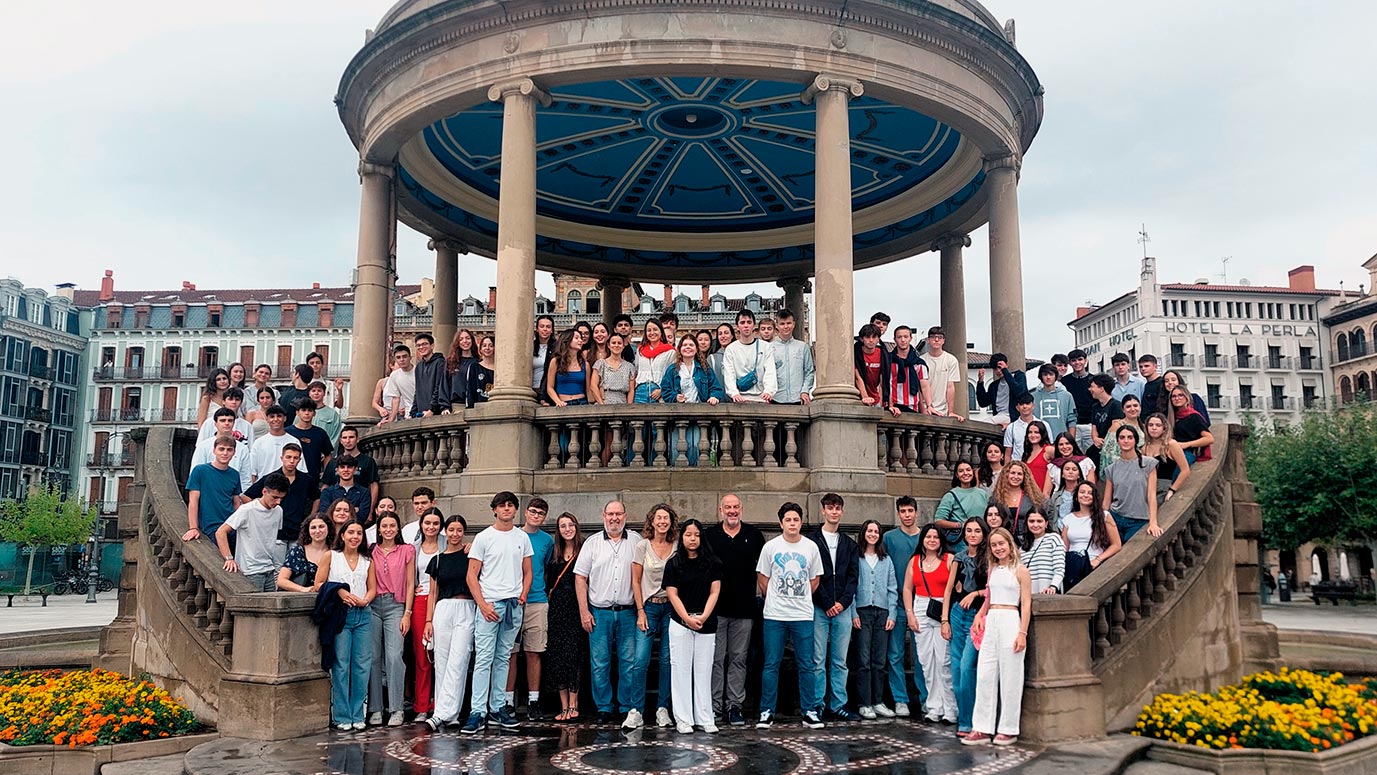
[(174, 141)]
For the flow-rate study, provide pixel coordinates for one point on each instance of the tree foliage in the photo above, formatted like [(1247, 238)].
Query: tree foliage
[(1317, 480), (45, 518)]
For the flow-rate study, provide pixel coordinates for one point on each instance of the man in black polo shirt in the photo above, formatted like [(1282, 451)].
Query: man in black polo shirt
[(315, 442), (737, 545), (300, 500)]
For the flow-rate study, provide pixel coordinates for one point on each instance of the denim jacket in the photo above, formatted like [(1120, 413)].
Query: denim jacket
[(877, 587), (704, 379)]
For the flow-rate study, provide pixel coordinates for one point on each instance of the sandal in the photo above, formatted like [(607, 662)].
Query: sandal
[(573, 717)]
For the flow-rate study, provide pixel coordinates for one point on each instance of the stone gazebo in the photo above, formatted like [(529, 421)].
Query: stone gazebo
[(685, 141)]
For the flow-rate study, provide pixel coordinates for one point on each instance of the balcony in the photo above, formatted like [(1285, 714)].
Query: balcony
[(1282, 403), (1280, 362), (1309, 363), (1213, 361), (1219, 402), (33, 458), (123, 414), (1246, 361), (1353, 353), (45, 373), (1250, 404), (1180, 361), (110, 460), (36, 414)]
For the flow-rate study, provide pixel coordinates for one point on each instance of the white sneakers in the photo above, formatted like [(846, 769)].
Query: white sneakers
[(882, 711), (633, 720), (375, 719), (396, 719), (662, 718), (901, 709), (867, 712)]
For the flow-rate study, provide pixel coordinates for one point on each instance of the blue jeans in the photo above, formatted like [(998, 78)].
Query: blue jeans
[(353, 659), (831, 634), (657, 619), (800, 635), (1128, 526), (613, 632), (901, 640), (492, 651), (963, 658)]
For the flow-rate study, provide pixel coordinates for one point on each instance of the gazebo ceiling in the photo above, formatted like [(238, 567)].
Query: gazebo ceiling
[(687, 171)]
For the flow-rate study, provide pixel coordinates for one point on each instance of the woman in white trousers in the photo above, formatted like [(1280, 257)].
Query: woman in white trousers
[(450, 616), (693, 580), (1003, 625), (925, 581)]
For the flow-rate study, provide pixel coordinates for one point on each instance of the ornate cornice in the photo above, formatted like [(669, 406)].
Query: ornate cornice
[(1004, 160), (373, 168)]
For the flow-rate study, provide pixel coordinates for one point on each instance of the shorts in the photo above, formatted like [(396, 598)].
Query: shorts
[(535, 630)]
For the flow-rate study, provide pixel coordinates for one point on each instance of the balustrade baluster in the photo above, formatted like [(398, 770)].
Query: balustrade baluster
[(1134, 602), (595, 444), (637, 443), (726, 457), (442, 456), (576, 430), (213, 610), (404, 454), (552, 449), (1101, 647), (912, 462), (430, 456), (1169, 569), (463, 453), (226, 629), (661, 450), (680, 442), (946, 462), (1178, 555), (896, 453), (178, 578), (704, 430), (770, 461), (1159, 578), (791, 445), (1116, 630), (927, 450), (1145, 590), (418, 453), (618, 449), (196, 591), (748, 444), (882, 451)]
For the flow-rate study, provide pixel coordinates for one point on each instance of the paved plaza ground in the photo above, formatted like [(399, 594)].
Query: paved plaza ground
[(1303, 614), (62, 611)]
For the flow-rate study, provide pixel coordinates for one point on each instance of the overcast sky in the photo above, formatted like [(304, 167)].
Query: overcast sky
[(174, 141)]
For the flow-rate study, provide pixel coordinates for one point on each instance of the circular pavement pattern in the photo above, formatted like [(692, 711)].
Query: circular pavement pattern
[(683, 758)]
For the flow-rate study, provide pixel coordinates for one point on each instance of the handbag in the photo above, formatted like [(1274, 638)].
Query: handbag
[(933, 603), (747, 381)]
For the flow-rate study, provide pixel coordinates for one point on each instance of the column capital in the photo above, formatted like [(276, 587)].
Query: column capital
[(801, 282), (499, 92), (1003, 160), (447, 243), (608, 283), (367, 168), (825, 82), (952, 240)]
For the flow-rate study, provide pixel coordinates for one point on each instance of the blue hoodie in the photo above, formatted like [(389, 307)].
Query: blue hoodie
[(1055, 407)]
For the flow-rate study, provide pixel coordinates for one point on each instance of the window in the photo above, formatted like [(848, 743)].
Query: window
[(1342, 347), (208, 360), (753, 302), (1308, 396), (574, 303), (178, 319), (1245, 396), (719, 304), (1212, 397), (1357, 343), (1345, 390), (284, 359), (594, 302), (1274, 360), (140, 318), (1178, 354), (1307, 358), (681, 304), (1243, 356), (1279, 397), (215, 320), (1212, 356), (132, 406)]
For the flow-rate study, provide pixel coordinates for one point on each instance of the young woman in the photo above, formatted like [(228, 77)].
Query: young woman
[(479, 376), (258, 415), (653, 359), (585, 340), (565, 654), (386, 505), (1170, 380), (963, 598), (212, 395), (612, 379), (341, 512), (877, 593), (648, 558), (1063, 500), (566, 381), (993, 516), (394, 568), (693, 580), (429, 543), (1188, 427), (298, 571), (462, 351), (378, 406), (449, 622), (706, 345), (1003, 626), (1016, 495), (1065, 448), (925, 582), (725, 335), (1130, 487), (348, 564), (1037, 453), (1173, 466), (1044, 554), (991, 464), (541, 352), (1133, 412), (1090, 537), (689, 381), (238, 376), (962, 501), (598, 350)]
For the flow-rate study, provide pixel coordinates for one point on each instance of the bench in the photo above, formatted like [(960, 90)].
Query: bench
[(11, 593), (1334, 592)]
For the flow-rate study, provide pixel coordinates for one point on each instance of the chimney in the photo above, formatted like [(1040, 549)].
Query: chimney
[(66, 290), (107, 286), (669, 297), (1083, 311), (315, 286), (706, 289), (1302, 278), (188, 286), (492, 297)]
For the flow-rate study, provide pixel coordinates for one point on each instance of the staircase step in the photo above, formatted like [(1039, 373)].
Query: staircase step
[(158, 765), (1160, 768)]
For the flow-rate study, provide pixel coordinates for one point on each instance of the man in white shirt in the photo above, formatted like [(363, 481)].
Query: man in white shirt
[(748, 365), (1018, 429), (1126, 382), (602, 582), (233, 399), (255, 525), (787, 574), (794, 371), (499, 580), (944, 373), (399, 392), (267, 449), (224, 425)]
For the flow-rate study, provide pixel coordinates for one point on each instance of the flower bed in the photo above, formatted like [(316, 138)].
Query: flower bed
[(1292, 710), (86, 707)]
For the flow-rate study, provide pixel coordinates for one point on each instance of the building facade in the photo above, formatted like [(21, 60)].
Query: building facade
[(150, 353), (1249, 351), (41, 346), (1352, 327)]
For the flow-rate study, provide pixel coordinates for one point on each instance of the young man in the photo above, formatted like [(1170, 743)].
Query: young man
[(766, 329), (213, 492), (944, 374), (535, 624), (1078, 382), (422, 498), (289, 397), (787, 574), (1053, 403), (432, 378), (906, 380), (737, 546), (794, 371), (499, 580), (399, 392), (901, 542), (348, 489), (1154, 399), (267, 449), (748, 364), (670, 323), (1103, 413), (622, 324), (602, 581), (880, 321), (255, 526), (315, 443), (1016, 431), (327, 417), (832, 611), (367, 473), (1008, 384), (1062, 364), (334, 391), (233, 400), (298, 502), (871, 363), (224, 425), (1125, 381)]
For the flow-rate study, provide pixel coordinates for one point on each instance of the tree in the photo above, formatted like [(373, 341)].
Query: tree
[(1317, 480), (45, 518)]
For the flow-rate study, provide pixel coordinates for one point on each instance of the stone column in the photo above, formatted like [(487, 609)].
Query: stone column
[(832, 236), (953, 281), (372, 290), (1006, 263), (794, 290), (516, 211), (612, 289), (446, 306)]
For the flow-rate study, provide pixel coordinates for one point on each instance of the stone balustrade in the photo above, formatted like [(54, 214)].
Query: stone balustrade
[(919, 444)]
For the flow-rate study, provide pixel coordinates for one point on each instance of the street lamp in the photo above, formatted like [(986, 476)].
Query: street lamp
[(92, 565)]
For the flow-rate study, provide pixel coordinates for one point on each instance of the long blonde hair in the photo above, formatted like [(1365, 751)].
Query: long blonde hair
[(990, 560)]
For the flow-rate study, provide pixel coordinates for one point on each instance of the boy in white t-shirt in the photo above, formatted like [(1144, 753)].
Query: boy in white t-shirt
[(787, 573), (255, 525), (499, 580)]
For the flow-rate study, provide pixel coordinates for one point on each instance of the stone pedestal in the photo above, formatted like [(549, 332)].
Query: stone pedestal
[(1063, 700), (275, 689), (505, 448)]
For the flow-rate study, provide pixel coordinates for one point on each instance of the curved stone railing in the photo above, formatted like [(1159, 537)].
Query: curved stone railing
[(918, 444), (423, 447)]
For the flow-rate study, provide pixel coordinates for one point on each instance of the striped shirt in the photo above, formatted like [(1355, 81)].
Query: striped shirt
[(1046, 562)]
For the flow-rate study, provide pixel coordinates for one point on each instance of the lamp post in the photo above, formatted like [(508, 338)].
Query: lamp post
[(92, 562)]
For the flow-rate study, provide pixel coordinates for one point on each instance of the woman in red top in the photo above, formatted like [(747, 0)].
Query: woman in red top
[(925, 582), (1037, 453)]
